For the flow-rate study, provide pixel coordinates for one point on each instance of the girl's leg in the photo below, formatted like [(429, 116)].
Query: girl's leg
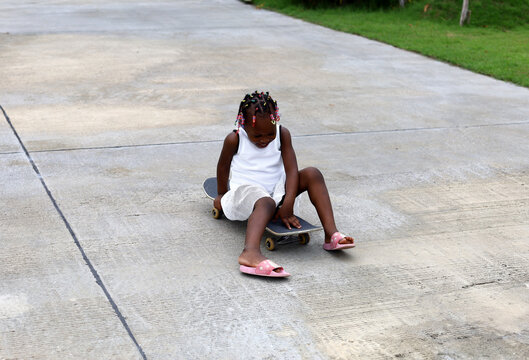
[(262, 213), (312, 181)]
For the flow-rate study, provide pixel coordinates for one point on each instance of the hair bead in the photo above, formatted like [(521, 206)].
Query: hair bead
[(257, 102)]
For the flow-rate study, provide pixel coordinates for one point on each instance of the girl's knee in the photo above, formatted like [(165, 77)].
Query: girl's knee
[(266, 203), (313, 174)]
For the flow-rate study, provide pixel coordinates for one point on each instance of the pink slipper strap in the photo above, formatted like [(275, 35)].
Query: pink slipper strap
[(335, 239), (265, 267), (334, 244)]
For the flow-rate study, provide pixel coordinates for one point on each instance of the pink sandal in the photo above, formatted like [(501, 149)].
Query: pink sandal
[(265, 268), (335, 245)]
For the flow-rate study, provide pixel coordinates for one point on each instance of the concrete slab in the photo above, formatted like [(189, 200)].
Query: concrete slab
[(137, 73), (8, 142), (122, 106), (50, 305)]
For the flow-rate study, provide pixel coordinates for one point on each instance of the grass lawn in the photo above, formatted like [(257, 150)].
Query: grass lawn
[(495, 43)]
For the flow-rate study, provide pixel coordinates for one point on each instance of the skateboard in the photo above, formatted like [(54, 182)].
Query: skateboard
[(279, 234)]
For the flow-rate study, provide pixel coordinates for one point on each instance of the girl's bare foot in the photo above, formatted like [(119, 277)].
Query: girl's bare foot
[(251, 257)]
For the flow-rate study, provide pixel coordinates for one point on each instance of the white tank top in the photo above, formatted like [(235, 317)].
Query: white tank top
[(256, 166)]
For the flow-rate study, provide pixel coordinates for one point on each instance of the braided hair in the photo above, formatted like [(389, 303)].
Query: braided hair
[(254, 103)]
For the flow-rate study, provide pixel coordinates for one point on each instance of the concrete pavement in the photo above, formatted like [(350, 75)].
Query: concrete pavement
[(107, 248)]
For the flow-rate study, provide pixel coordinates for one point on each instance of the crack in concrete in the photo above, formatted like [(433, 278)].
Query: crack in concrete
[(74, 237), (479, 284), (294, 136)]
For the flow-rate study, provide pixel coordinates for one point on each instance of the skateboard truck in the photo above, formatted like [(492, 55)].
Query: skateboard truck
[(302, 239)]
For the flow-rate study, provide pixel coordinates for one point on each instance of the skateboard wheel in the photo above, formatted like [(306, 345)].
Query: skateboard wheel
[(304, 239), (270, 244), (216, 213)]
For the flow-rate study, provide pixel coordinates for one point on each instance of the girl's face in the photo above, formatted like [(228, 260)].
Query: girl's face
[(264, 131)]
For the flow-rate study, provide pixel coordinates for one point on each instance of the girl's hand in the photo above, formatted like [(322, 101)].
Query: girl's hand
[(217, 204), (287, 217)]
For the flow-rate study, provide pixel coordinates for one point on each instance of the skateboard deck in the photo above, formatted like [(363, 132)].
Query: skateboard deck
[(275, 227)]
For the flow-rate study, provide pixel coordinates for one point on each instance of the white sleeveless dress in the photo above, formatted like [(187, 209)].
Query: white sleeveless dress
[(255, 173)]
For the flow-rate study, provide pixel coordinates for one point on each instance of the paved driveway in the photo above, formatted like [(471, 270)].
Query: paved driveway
[(114, 113)]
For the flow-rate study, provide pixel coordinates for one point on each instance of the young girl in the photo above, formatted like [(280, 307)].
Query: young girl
[(265, 182)]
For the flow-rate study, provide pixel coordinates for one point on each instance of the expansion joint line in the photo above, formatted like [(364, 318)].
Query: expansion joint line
[(74, 237)]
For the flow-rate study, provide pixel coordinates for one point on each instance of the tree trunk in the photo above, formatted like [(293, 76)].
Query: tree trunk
[(402, 3), (464, 13)]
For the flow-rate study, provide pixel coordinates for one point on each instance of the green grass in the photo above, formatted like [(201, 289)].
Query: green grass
[(495, 43)]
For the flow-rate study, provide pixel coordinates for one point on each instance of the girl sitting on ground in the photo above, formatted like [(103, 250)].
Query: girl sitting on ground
[(265, 182)]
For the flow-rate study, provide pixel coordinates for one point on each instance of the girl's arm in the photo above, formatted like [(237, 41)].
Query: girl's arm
[(286, 212), (229, 149)]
